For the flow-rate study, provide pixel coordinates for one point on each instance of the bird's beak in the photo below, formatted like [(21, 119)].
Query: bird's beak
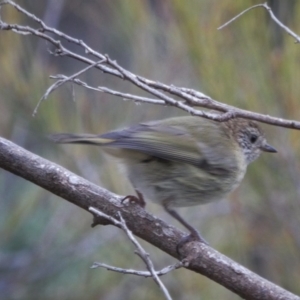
[(268, 148)]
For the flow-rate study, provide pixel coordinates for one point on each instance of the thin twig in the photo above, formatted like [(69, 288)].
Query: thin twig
[(140, 250), (62, 79), (289, 31), (135, 98), (146, 274), (106, 90), (240, 14), (274, 18), (125, 96)]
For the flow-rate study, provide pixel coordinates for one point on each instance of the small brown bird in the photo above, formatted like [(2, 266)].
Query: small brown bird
[(182, 161)]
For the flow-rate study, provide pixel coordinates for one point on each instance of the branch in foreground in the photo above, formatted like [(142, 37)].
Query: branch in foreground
[(203, 259), (139, 249), (189, 99)]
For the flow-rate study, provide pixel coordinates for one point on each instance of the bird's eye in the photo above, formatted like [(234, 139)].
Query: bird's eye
[(253, 138)]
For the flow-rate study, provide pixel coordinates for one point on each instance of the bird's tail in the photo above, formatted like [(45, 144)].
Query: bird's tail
[(68, 138)]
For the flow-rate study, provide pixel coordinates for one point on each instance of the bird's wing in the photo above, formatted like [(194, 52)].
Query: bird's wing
[(173, 143), (165, 142)]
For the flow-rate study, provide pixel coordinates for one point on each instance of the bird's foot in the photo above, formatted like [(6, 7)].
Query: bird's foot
[(132, 199)]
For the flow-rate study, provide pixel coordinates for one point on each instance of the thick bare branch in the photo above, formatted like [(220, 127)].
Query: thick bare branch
[(203, 259)]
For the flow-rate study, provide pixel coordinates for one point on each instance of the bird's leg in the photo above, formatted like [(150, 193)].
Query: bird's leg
[(194, 234), (139, 199)]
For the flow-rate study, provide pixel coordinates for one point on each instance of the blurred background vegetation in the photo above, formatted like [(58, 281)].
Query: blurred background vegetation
[(47, 244)]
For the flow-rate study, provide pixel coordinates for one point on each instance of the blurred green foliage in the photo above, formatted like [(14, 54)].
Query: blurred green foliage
[(47, 245)]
